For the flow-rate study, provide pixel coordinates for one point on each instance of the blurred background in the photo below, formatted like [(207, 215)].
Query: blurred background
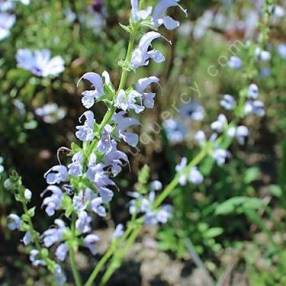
[(230, 228)]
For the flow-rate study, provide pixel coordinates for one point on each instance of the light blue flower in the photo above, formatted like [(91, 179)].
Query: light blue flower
[(90, 242), (195, 176), (253, 91), (142, 54), (200, 137), (34, 258), (130, 100), (219, 124), (53, 202), (75, 168), (83, 222), (40, 62), (118, 232), (220, 156), (255, 107), (159, 16), (6, 23), (122, 124), (85, 132), (192, 110), (156, 185), (56, 175), (51, 113), (262, 55), (142, 85), (281, 49), (175, 130), (241, 134), (61, 251), (234, 63), (27, 239), (104, 145), (115, 159), (27, 195), (137, 14), (228, 102), (97, 207), (97, 174), (91, 96), (14, 222), (54, 234)]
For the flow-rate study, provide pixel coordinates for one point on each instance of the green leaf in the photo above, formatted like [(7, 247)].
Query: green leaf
[(214, 232), (251, 175), (275, 190), (67, 205)]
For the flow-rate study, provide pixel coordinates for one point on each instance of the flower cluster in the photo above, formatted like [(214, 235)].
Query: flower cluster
[(84, 187), (248, 104)]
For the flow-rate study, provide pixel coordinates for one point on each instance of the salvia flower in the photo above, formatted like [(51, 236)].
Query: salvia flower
[(196, 176), (90, 242), (54, 234), (156, 185), (61, 251), (255, 107), (193, 111), (14, 222), (220, 156), (89, 97), (6, 23), (27, 239), (219, 124), (75, 168), (97, 207), (123, 123), (159, 16), (235, 63), (53, 202), (83, 222), (200, 137), (40, 62), (118, 232), (193, 176), (137, 14), (51, 113), (34, 258), (262, 55), (85, 132), (175, 130), (281, 49), (228, 102), (253, 91), (56, 175), (142, 85), (130, 100), (142, 55)]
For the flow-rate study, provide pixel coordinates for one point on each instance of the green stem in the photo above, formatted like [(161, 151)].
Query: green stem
[(100, 265), (106, 119), (73, 264), (125, 69), (119, 255), (75, 272)]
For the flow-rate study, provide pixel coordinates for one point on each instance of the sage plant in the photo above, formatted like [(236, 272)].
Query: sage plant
[(82, 189)]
